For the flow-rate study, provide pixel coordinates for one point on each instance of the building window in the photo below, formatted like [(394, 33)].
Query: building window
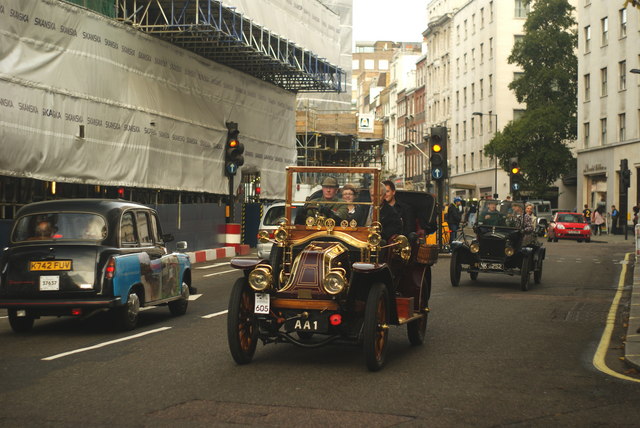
[(623, 23), (473, 58), (481, 89), (458, 34), (490, 84), (480, 156), (480, 125), (585, 127), (457, 100), (482, 17), (464, 163), (481, 53), (603, 131), (464, 96), (473, 127), (604, 26), (457, 132), (490, 11), (369, 64), (603, 82), (473, 24), (355, 64), (457, 66), (622, 68), (521, 9), (464, 130), (587, 39), (383, 64), (473, 93), (465, 30), (472, 161), (465, 63), (587, 87), (456, 164), (490, 47), (622, 125)]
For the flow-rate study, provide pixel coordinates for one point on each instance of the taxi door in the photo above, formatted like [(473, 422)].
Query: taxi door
[(151, 258)]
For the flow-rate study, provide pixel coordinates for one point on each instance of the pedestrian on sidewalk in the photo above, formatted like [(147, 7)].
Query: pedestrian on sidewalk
[(615, 216), (454, 217), (597, 220), (472, 213), (586, 212), (636, 210)]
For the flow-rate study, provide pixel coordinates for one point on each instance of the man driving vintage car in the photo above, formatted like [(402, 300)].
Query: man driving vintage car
[(492, 217), (325, 204)]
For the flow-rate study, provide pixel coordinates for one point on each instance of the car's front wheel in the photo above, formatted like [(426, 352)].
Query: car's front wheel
[(242, 325), (127, 315), (376, 330), (524, 273), (19, 324), (455, 269), (179, 307)]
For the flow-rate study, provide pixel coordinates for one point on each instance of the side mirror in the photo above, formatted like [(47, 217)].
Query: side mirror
[(167, 237), (181, 246)]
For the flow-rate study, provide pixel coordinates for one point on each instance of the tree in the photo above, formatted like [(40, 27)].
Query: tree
[(548, 87)]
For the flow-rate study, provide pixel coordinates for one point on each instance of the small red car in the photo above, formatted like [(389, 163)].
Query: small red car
[(567, 225)]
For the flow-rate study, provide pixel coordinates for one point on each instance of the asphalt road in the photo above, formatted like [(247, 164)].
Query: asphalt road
[(494, 356)]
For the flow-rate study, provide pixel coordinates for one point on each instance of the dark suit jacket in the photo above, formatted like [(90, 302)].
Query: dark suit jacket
[(390, 220)]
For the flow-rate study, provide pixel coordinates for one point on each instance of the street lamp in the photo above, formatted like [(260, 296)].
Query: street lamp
[(635, 71), (495, 171)]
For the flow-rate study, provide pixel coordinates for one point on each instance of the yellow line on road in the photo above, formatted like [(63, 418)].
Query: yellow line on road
[(605, 341)]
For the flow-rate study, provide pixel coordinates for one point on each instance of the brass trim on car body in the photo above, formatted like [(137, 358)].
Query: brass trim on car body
[(329, 254), (349, 239)]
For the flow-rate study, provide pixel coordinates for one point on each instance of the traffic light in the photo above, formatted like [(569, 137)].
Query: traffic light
[(438, 153), (234, 149), (514, 175), (625, 174)]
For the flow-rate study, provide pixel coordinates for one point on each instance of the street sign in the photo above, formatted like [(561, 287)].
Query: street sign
[(231, 168), (436, 173), (515, 186)]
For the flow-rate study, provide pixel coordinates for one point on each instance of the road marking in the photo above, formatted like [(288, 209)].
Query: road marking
[(220, 273), (101, 345), (213, 265), (605, 340), (195, 296), (215, 315)]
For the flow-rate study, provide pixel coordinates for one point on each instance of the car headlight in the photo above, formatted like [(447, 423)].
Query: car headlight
[(281, 234), (474, 247), (509, 251), (559, 226), (374, 239), (586, 227), (334, 282), (260, 278), (263, 236)]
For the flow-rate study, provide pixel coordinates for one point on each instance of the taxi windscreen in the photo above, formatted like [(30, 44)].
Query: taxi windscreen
[(57, 226)]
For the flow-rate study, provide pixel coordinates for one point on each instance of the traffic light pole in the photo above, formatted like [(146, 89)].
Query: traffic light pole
[(229, 208), (440, 210), (624, 195)]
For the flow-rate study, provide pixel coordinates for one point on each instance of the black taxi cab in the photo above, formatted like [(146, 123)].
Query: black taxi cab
[(331, 278), (76, 256)]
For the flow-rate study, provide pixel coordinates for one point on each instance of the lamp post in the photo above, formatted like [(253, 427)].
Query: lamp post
[(495, 170)]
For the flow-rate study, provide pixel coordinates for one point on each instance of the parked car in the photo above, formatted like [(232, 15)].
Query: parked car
[(76, 256), (569, 225), (271, 218), (499, 246), (335, 280)]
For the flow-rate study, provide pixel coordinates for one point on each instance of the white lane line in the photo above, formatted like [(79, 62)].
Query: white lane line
[(101, 345), (215, 315), (213, 265), (3, 317), (220, 273), (194, 296)]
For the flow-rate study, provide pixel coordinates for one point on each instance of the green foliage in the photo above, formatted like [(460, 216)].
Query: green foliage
[(548, 87)]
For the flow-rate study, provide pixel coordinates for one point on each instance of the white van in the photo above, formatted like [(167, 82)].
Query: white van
[(270, 221)]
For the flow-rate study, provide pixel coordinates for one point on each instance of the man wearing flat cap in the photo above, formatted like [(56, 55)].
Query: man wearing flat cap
[(326, 205)]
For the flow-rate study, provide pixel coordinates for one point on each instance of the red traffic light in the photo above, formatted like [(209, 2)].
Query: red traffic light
[(233, 143)]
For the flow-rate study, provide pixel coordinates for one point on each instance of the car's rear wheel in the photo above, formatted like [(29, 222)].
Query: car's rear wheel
[(537, 274), (19, 324), (179, 307), (455, 269), (376, 330), (416, 330), (127, 315), (242, 325), (524, 273)]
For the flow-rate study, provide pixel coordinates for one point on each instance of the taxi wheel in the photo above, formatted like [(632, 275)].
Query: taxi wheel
[(19, 324), (242, 325), (455, 269), (524, 274), (127, 315), (179, 307), (376, 330)]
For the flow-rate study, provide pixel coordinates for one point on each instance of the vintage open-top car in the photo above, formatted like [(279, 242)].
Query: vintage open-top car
[(333, 279), (77, 256), (502, 244)]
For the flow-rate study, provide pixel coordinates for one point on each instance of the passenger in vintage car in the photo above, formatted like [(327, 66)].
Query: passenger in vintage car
[(492, 217)]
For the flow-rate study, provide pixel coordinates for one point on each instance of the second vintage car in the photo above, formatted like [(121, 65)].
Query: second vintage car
[(74, 257), (332, 279), (500, 245)]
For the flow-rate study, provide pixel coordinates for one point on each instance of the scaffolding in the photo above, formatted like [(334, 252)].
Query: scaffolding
[(221, 34)]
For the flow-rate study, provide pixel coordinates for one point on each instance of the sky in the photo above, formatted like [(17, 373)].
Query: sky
[(397, 20)]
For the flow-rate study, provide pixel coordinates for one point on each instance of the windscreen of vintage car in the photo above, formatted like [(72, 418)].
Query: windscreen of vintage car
[(500, 213), (60, 226), (345, 197)]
